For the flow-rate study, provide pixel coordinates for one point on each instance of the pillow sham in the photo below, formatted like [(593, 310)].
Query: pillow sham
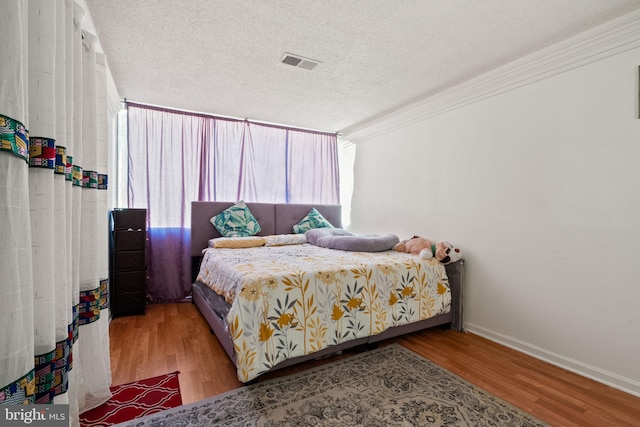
[(236, 221), (313, 219), (237, 242), (285, 239)]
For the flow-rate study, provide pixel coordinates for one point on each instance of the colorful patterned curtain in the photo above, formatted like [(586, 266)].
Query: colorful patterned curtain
[(53, 255)]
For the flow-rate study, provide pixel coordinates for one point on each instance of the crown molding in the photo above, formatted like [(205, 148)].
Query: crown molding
[(612, 38)]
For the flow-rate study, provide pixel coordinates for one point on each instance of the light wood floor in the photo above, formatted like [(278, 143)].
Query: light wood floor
[(175, 337)]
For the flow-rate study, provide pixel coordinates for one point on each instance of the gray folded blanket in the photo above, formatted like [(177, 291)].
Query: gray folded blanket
[(338, 238)]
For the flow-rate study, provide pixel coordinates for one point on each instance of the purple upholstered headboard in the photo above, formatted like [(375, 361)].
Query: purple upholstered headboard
[(274, 218)]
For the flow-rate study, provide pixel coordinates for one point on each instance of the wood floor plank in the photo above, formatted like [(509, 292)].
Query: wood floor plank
[(175, 337)]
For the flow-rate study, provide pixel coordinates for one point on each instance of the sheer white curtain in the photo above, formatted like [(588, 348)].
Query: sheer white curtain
[(16, 286), (53, 307), (176, 157)]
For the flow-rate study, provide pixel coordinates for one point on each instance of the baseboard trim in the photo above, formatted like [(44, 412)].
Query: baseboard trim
[(600, 375)]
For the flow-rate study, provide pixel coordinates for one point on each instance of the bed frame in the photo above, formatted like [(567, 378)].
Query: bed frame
[(279, 218)]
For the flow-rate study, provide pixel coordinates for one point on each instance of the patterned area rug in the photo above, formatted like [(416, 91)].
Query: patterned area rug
[(389, 386), (136, 399)]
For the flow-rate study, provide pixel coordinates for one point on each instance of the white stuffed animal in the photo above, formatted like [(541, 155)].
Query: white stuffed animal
[(443, 251)]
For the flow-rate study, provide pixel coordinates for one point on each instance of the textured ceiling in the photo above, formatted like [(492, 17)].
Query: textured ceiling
[(223, 57)]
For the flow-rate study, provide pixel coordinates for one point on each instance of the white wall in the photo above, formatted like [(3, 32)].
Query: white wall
[(539, 184)]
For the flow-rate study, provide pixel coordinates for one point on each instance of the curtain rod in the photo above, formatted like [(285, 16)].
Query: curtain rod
[(218, 116)]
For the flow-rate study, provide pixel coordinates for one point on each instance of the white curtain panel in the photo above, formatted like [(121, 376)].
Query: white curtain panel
[(72, 293), (54, 270), (74, 159), (62, 283), (102, 204), (16, 286), (102, 165), (95, 387), (41, 101)]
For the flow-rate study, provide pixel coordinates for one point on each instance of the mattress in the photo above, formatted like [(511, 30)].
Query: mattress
[(289, 301)]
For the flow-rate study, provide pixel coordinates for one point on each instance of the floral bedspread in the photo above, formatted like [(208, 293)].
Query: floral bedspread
[(289, 301)]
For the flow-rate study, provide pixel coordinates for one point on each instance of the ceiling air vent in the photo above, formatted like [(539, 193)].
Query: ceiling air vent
[(299, 61)]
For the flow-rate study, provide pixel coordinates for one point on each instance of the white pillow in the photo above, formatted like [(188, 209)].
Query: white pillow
[(285, 239)]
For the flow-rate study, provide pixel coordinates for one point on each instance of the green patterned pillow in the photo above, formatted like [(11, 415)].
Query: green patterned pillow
[(236, 221), (314, 219)]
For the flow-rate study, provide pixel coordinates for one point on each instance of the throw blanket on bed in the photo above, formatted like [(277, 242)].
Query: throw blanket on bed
[(288, 301)]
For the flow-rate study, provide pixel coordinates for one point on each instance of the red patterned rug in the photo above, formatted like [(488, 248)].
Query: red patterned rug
[(135, 400)]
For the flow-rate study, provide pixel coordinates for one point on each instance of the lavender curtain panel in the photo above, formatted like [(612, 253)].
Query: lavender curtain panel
[(177, 157)]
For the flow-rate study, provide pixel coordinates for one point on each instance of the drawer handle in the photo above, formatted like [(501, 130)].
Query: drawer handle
[(138, 230)]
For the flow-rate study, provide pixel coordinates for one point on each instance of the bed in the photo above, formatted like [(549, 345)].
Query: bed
[(276, 305)]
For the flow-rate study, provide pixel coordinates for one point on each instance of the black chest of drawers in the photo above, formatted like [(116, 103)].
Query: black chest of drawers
[(127, 262)]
